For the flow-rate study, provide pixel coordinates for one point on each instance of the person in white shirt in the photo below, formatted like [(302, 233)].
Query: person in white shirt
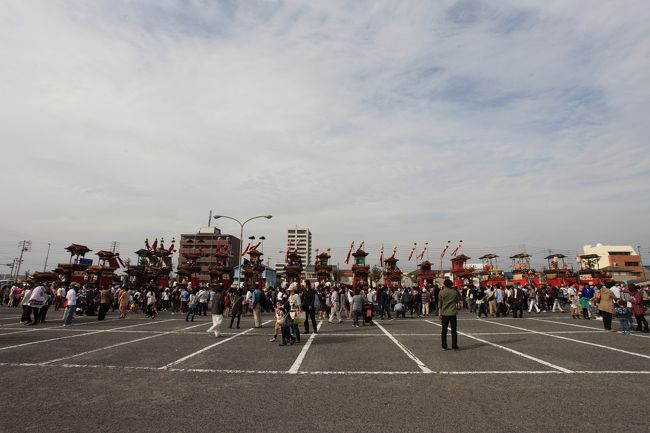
[(335, 308), (71, 299)]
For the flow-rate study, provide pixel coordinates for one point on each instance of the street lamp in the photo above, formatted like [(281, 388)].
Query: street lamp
[(241, 233)]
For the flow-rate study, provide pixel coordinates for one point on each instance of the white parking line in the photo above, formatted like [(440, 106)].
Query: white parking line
[(324, 373), (602, 346), (124, 343), (584, 326), (191, 355), (79, 335), (408, 353), (301, 356), (507, 349)]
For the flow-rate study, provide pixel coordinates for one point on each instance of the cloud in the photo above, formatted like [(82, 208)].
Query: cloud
[(502, 124)]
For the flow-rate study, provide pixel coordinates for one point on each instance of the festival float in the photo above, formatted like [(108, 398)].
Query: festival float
[(360, 271), (491, 275), (154, 265), (323, 269), (74, 271), (293, 268), (522, 273), (426, 275), (462, 275), (101, 274), (219, 271), (558, 274), (590, 271), (392, 273), (253, 268)]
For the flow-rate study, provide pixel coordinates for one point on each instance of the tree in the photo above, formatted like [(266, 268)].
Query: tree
[(375, 274)]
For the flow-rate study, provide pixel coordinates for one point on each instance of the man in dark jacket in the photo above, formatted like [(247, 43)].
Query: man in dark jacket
[(447, 310), (308, 298), (217, 312)]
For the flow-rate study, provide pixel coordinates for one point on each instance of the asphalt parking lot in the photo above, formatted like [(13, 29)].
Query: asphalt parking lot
[(546, 372)]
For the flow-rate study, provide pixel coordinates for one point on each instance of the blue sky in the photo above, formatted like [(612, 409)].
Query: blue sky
[(505, 124)]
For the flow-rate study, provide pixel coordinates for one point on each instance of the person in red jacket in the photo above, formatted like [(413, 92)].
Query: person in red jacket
[(638, 309)]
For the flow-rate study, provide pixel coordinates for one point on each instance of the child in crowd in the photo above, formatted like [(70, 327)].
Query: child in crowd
[(624, 316), (279, 320), (287, 324), (575, 307), (584, 304)]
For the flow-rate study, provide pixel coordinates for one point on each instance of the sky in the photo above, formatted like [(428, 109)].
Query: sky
[(512, 125)]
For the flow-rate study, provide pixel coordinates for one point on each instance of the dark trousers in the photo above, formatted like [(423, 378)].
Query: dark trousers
[(641, 323), (502, 309), (286, 335), (607, 319), (232, 320), (585, 313), (310, 313), (43, 313), (517, 309), (203, 308), (37, 315), (446, 321), (482, 309), (103, 309), (27, 314), (190, 312)]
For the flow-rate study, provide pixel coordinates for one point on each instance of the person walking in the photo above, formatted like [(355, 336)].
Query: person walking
[(192, 306), (123, 302), (447, 310), (309, 307), (71, 300), (257, 306), (217, 313), (605, 300), (105, 299), (356, 306), (335, 310), (237, 307)]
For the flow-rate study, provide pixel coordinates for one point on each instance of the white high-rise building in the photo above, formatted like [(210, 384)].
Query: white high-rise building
[(299, 240)]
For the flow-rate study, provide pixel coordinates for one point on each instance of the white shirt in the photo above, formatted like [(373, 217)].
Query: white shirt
[(71, 297), (616, 291)]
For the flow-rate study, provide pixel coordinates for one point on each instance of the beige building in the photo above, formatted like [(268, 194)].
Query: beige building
[(205, 243), (299, 240), (618, 258)]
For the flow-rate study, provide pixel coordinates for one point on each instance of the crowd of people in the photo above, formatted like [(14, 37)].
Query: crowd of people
[(293, 305)]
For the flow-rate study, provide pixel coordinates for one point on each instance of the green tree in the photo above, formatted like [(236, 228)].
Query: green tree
[(375, 274)]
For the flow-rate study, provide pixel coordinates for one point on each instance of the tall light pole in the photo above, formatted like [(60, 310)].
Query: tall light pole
[(47, 256), (241, 233), (24, 246)]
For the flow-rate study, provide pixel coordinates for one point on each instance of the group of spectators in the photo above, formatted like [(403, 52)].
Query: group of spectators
[(327, 301)]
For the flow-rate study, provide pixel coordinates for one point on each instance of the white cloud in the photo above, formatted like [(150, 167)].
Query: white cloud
[(501, 124)]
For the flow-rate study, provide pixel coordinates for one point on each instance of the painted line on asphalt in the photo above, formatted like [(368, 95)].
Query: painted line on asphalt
[(301, 356), (124, 343), (634, 334), (515, 352), (323, 373), (408, 353), (602, 346), (191, 355), (77, 335)]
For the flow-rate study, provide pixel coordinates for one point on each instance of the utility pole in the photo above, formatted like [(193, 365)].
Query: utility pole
[(114, 246), (24, 246), (47, 256)]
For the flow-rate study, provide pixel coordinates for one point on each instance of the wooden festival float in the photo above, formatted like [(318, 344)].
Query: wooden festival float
[(323, 269), (590, 271), (101, 274), (74, 270), (491, 275), (392, 273), (253, 268), (220, 271), (522, 272), (293, 269), (462, 275), (558, 273), (154, 265), (360, 271), (426, 275)]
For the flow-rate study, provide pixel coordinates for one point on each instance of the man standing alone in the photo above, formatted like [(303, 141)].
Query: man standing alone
[(447, 310)]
